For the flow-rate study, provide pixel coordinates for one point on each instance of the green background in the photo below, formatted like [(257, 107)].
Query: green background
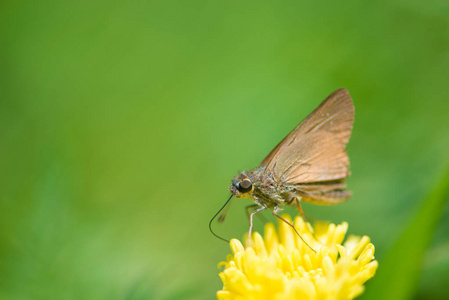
[(123, 122)]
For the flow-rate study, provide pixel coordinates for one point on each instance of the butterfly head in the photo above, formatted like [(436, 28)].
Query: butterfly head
[(242, 186)]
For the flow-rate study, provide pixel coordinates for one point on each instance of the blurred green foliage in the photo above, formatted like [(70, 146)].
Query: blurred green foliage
[(122, 123), (402, 265)]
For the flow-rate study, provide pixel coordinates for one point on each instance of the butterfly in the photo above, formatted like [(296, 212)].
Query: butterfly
[(310, 164)]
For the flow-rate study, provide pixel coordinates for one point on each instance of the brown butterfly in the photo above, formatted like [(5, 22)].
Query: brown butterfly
[(310, 164)]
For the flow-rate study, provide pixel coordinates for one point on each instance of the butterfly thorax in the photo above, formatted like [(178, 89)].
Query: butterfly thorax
[(260, 187)]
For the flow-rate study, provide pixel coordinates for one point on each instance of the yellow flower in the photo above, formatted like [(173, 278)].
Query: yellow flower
[(281, 266)]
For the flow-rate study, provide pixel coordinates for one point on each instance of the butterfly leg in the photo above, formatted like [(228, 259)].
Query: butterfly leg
[(223, 215), (275, 213), (248, 207), (298, 204), (261, 217), (251, 222)]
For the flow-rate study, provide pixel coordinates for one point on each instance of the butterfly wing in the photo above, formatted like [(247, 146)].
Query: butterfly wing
[(315, 151), (314, 157)]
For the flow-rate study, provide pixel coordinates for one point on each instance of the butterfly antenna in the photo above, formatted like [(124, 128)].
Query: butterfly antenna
[(210, 223)]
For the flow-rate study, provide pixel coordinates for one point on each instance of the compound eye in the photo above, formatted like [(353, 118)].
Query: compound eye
[(245, 186)]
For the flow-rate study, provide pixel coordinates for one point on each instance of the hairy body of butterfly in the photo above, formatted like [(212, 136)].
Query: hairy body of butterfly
[(264, 190), (267, 192)]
